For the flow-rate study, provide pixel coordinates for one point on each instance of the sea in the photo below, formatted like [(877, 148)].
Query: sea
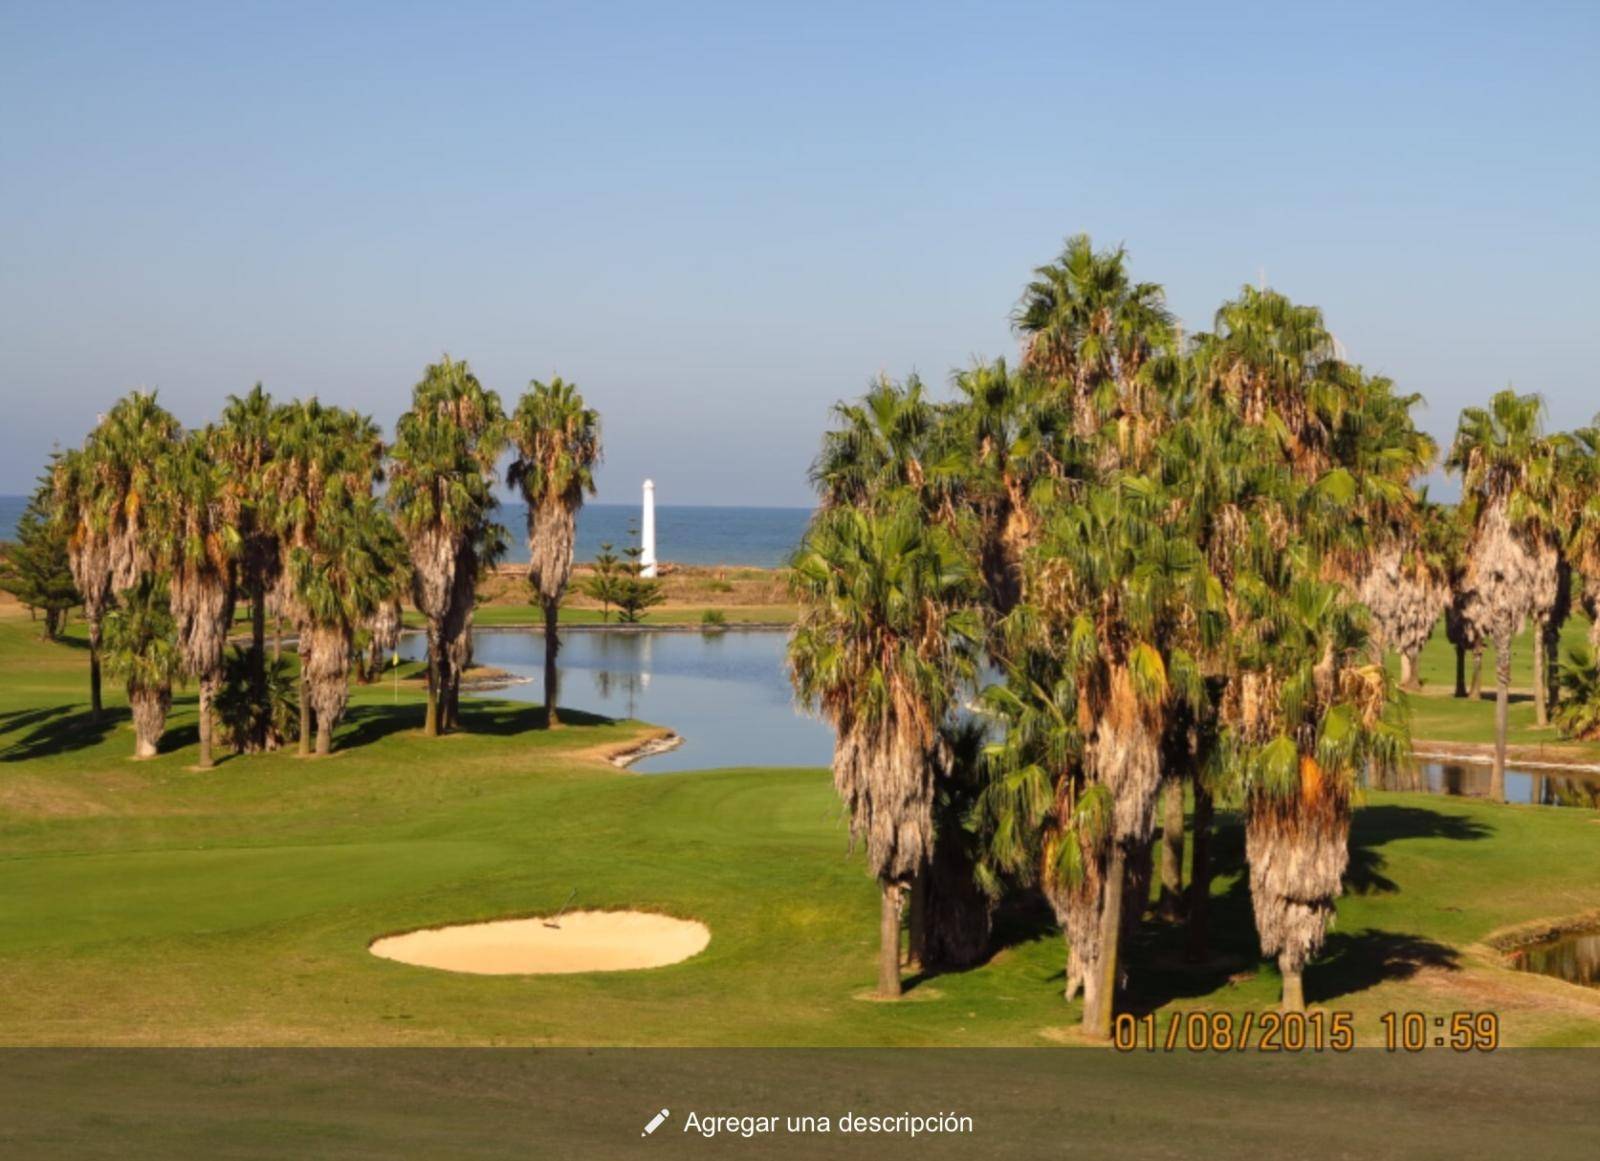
[(685, 534)]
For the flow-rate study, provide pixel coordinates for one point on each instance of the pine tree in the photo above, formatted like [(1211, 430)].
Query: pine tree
[(35, 568)]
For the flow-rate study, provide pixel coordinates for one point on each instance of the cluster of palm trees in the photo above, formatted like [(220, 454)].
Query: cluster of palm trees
[(1179, 558), (280, 506)]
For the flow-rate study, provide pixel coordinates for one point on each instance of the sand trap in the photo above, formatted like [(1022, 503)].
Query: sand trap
[(586, 941)]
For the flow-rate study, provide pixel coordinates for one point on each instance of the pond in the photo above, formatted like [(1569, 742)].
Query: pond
[(1574, 957), (727, 694)]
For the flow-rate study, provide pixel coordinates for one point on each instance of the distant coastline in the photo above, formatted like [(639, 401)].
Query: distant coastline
[(686, 534)]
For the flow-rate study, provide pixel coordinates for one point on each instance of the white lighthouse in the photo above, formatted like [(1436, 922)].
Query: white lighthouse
[(647, 531)]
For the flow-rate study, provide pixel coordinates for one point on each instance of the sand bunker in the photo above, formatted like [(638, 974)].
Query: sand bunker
[(586, 941)]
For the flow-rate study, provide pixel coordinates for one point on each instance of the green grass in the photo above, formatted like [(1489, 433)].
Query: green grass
[(150, 903)]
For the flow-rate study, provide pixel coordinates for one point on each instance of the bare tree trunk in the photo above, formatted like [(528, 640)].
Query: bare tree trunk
[(1097, 1022), (1461, 670), (1408, 672), (1476, 690), (1541, 678), (1199, 942), (324, 739), (1502, 700), (552, 646), (207, 689), (889, 943), (1294, 990)]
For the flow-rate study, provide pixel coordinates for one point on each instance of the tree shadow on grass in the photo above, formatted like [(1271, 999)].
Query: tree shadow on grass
[(1355, 962), (1375, 826), (365, 724), (59, 730)]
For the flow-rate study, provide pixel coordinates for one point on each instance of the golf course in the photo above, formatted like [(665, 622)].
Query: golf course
[(150, 903)]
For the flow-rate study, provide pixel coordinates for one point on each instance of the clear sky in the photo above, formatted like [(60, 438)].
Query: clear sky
[(719, 218)]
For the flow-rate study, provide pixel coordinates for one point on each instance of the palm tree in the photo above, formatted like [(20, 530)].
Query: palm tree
[(1102, 652), (323, 468), (877, 443), (242, 445), (441, 490), (1509, 479), (102, 494), (1088, 326), (141, 645), (1305, 714), (886, 635), (352, 565), (557, 441), (1407, 588), (194, 545)]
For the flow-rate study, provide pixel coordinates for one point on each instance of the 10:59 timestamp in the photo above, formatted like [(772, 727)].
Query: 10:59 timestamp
[(1314, 1031)]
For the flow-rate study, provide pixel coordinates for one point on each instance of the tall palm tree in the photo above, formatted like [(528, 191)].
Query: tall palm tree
[(1407, 588), (1510, 474), (1088, 326), (886, 636), (242, 444), (557, 441), (102, 492), (441, 490), (351, 566), (325, 463), (1306, 712), (141, 645), (194, 545), (1120, 605), (877, 443)]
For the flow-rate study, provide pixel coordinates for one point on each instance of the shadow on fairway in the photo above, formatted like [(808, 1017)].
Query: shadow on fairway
[(1375, 826), (56, 730), (1354, 963), (365, 724)]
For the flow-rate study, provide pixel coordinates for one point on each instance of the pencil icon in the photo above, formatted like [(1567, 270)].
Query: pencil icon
[(655, 1122)]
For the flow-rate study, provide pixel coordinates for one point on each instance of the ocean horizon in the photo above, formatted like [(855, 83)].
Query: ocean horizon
[(750, 537)]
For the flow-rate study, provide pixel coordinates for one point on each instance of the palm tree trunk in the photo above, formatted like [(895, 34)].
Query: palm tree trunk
[(95, 708), (1170, 906), (258, 669), (305, 711), (1461, 670), (889, 943), (1541, 678), (430, 725), (277, 637), (1097, 1017), (1199, 942), (1476, 690), (1408, 671), (1502, 700), (552, 646), (1294, 989), (206, 690), (324, 739), (917, 921)]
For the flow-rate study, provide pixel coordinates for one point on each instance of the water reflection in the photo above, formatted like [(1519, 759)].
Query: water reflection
[(1574, 958), (1531, 787), (726, 693)]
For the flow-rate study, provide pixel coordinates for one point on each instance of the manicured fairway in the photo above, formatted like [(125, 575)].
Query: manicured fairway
[(149, 903)]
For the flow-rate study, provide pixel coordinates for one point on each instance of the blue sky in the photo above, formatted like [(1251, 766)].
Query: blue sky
[(718, 219)]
